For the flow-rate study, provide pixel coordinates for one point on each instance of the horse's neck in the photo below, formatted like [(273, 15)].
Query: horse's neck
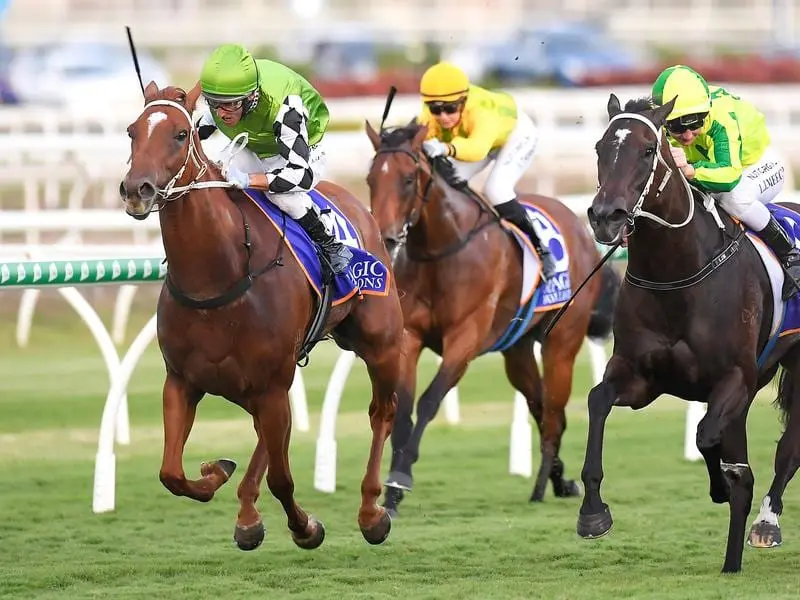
[(444, 220), (667, 253), (203, 238)]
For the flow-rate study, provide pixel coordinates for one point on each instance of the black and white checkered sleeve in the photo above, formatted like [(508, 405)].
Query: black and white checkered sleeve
[(291, 133)]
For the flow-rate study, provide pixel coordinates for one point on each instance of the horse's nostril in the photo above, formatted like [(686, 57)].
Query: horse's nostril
[(123, 191), (147, 190)]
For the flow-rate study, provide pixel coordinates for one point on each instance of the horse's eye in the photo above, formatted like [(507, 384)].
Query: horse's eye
[(649, 151), (182, 135), (409, 181)]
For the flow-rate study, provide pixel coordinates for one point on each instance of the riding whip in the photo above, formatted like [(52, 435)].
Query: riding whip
[(389, 98), (561, 310), (135, 58)]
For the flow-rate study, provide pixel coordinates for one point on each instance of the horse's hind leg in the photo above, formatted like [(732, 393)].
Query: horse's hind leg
[(765, 531), (273, 418), (180, 405), (558, 361)]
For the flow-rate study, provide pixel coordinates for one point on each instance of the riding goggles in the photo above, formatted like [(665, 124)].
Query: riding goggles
[(449, 108), (686, 123), (226, 105)]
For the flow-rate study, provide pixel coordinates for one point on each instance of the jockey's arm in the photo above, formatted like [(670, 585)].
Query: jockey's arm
[(291, 134), (722, 170), (477, 145)]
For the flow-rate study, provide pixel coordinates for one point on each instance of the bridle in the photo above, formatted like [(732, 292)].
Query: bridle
[(421, 199), (172, 191), (638, 210)]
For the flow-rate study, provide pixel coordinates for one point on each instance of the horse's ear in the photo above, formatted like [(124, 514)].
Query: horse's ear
[(373, 135), (150, 92), (660, 113), (420, 136), (613, 106), (192, 96)]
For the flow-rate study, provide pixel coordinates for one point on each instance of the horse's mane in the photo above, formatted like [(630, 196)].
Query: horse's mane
[(392, 137), (640, 105)]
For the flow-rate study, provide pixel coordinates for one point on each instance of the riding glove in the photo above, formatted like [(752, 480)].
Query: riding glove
[(237, 177), (434, 148)]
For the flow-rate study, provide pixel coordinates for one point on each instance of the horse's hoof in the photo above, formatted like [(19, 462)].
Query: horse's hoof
[(226, 465), (249, 537), (399, 480), (596, 525), (764, 535), (569, 489), (377, 534), (537, 495), (315, 539)]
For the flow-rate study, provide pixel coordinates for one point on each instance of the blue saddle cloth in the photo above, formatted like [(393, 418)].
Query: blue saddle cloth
[(366, 274), (790, 317), (537, 297)]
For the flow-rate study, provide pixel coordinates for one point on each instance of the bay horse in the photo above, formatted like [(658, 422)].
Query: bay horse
[(232, 314), (460, 273), (695, 318)]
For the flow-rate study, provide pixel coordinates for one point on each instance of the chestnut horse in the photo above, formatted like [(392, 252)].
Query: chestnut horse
[(698, 319), (232, 315), (460, 275)]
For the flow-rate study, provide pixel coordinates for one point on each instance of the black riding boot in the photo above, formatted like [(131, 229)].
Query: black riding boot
[(338, 254), (514, 211), (777, 239)]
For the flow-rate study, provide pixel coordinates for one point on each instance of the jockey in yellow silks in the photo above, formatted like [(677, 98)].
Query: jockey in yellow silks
[(474, 128), (721, 145)]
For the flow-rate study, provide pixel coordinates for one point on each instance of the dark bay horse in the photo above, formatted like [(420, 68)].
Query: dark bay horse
[(460, 276), (693, 319), (232, 317)]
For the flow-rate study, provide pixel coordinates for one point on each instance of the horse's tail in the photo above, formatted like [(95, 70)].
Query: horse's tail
[(602, 319), (785, 394)]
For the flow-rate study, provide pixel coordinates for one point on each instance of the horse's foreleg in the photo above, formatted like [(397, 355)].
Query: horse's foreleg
[(384, 372), (727, 399), (765, 531), (722, 440), (274, 420), (737, 471), (249, 531), (180, 405), (594, 519), (459, 348)]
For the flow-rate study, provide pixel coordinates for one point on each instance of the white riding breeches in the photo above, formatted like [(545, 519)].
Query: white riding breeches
[(760, 183), (295, 203), (510, 162)]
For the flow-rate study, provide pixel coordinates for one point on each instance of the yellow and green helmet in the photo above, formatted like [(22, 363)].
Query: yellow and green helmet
[(229, 74), (690, 88)]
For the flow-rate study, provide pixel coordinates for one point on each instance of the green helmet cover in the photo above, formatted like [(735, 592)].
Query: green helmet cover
[(229, 74)]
